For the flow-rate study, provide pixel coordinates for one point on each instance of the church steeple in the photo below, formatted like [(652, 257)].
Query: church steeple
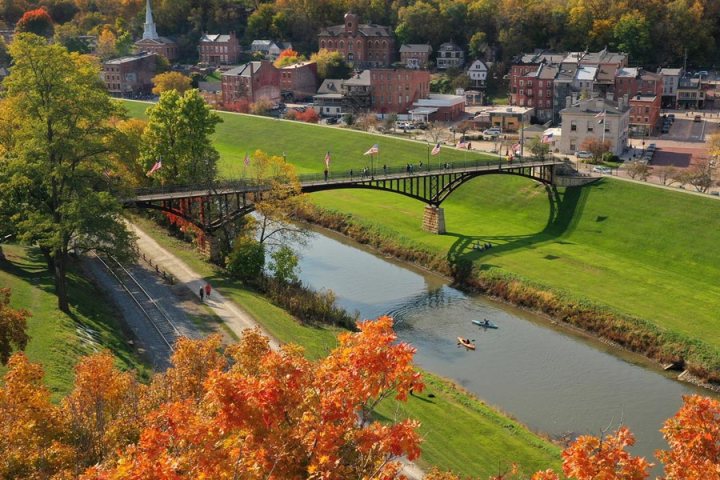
[(150, 33)]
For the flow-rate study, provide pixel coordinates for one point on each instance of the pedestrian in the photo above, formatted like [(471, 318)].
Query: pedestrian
[(469, 145), (407, 168), (202, 294), (326, 174), (384, 169), (351, 174), (208, 289)]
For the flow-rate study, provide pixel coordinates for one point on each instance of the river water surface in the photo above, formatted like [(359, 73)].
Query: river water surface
[(553, 380)]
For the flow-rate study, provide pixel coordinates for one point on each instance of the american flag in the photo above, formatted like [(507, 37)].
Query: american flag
[(547, 138), (247, 159), (155, 168), (464, 144), (601, 116), (327, 160), (435, 150), (373, 150)]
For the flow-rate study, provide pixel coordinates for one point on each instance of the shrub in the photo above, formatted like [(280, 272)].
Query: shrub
[(247, 260)]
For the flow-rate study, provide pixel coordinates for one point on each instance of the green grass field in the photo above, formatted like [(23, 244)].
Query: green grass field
[(461, 433), (57, 340), (305, 145), (640, 250)]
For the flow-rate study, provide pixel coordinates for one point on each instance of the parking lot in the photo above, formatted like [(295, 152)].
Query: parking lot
[(686, 130)]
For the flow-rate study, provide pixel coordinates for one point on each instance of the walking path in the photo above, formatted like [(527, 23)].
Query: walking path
[(233, 316)]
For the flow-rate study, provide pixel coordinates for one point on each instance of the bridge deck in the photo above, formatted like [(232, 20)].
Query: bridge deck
[(318, 182)]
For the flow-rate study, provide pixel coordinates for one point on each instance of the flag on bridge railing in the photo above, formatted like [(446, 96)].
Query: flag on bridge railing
[(247, 159), (436, 150), (373, 150), (327, 160), (155, 168)]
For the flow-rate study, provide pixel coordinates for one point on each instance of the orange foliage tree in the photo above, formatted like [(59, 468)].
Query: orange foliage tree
[(36, 21), (13, 327), (250, 412), (694, 438), (288, 57), (308, 116)]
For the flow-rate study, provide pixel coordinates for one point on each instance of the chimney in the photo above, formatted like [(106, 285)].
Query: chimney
[(568, 101), (621, 104)]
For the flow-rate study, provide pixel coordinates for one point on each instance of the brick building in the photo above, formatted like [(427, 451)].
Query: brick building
[(439, 107), (415, 55), (299, 81), (130, 76), (395, 90), (151, 42), (535, 89), (631, 81), (252, 81), (362, 45), (644, 114), (218, 49)]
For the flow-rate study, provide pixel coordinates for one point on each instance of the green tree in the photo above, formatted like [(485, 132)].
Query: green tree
[(178, 134), (52, 183), (124, 43), (284, 265), (632, 35), (478, 45), (539, 149), (247, 259), (330, 64)]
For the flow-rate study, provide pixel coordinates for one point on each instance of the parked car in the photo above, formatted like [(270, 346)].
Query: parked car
[(492, 132), (332, 121), (671, 116), (583, 154), (603, 170)]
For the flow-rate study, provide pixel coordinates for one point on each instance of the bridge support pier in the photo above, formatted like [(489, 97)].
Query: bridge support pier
[(434, 219)]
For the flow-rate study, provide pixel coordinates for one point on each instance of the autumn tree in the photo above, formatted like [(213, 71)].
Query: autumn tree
[(106, 44), (693, 435), (330, 64), (288, 57), (701, 175), (36, 21), (274, 414), (178, 135), (13, 327), (308, 116), (596, 147), (171, 81), (261, 107), (52, 180)]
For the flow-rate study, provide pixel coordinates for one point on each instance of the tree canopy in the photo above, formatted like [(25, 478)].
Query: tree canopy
[(53, 182)]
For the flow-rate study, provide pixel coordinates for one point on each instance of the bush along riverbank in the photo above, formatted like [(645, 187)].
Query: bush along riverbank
[(635, 334)]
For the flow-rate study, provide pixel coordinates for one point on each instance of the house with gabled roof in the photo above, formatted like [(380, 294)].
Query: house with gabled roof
[(363, 45)]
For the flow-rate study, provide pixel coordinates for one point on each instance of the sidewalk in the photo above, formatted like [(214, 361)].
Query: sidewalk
[(233, 316)]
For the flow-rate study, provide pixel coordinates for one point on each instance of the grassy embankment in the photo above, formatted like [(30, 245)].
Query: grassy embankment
[(57, 340), (461, 433), (640, 251)]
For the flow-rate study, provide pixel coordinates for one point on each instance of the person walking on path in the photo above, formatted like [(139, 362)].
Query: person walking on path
[(208, 289), (202, 294)]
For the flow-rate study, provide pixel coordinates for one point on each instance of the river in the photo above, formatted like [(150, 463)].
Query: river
[(552, 379)]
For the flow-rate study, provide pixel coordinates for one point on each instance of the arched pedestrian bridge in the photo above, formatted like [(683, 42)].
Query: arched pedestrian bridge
[(210, 208)]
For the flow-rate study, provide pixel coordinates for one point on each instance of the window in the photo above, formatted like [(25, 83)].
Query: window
[(522, 83), (322, 44), (529, 83), (342, 44), (549, 93), (522, 92), (399, 99), (573, 126), (590, 126)]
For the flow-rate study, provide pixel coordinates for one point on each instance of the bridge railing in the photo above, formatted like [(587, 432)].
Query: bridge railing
[(378, 171), (250, 185)]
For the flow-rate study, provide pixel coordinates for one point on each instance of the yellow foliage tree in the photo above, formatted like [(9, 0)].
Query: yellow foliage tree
[(171, 81)]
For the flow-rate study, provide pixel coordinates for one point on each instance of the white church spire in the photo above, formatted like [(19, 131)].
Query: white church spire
[(150, 32)]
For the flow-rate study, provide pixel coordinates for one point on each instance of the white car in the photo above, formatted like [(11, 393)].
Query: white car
[(492, 132), (604, 170), (583, 154)]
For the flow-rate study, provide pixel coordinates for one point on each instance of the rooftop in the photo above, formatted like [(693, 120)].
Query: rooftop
[(439, 100), (365, 30), (594, 106), (215, 38), (671, 72), (415, 48), (586, 74), (361, 79), (129, 58), (509, 110)]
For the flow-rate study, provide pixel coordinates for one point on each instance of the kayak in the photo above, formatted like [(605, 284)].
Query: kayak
[(466, 343), (481, 323)]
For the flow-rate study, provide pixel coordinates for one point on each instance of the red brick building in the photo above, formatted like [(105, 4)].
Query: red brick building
[(151, 42), (362, 45), (644, 114), (415, 55), (219, 49), (395, 90), (130, 76), (253, 81), (631, 81), (535, 89), (299, 81)]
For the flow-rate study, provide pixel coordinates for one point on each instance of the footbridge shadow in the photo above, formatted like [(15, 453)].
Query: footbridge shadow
[(565, 210)]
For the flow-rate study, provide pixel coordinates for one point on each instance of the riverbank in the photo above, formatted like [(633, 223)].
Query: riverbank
[(461, 433), (487, 272)]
